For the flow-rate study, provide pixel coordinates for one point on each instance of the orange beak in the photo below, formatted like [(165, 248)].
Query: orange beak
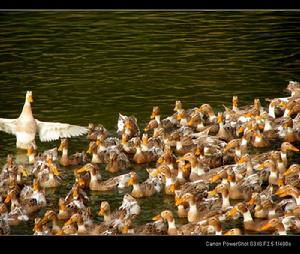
[(212, 193), (178, 201), (8, 198), (232, 212), (81, 170), (157, 217), (266, 227), (101, 212)]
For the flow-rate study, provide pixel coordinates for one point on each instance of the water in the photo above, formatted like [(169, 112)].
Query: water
[(88, 66)]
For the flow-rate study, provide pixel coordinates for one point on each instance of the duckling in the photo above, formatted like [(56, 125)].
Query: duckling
[(67, 160), (140, 189), (96, 184), (117, 162)]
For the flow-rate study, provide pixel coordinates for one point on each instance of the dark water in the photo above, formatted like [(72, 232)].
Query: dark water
[(88, 66)]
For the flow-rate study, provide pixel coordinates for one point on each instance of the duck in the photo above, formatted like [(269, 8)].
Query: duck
[(168, 216), (128, 145), (117, 162), (170, 180), (140, 190), (208, 110), (109, 216), (51, 215), (50, 179), (72, 160), (130, 205), (96, 157), (223, 189), (25, 127), (63, 212), (249, 223), (94, 130), (141, 157), (194, 214), (96, 184), (128, 125), (223, 133), (270, 164), (276, 225), (288, 190), (158, 227), (4, 225)]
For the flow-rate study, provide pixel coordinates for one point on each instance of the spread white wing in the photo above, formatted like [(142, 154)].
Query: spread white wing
[(8, 125), (49, 131)]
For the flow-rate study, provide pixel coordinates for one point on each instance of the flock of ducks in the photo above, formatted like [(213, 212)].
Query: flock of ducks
[(229, 173)]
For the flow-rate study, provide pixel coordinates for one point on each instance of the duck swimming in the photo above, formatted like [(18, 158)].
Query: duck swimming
[(25, 127)]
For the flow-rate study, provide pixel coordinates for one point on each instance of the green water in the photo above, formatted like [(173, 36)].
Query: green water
[(88, 66)]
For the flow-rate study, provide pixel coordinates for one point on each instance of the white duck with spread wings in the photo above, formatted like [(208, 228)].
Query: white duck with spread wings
[(26, 126)]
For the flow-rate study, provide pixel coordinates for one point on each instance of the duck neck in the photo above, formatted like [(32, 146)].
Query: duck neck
[(14, 203), (225, 201), (247, 216), (281, 229), (249, 168), (171, 224), (136, 187), (178, 145), (65, 152), (272, 213), (26, 111), (297, 198), (268, 126), (138, 150), (31, 159), (272, 110), (193, 207), (180, 175), (286, 112), (157, 118), (107, 216), (169, 181), (284, 157), (95, 158)]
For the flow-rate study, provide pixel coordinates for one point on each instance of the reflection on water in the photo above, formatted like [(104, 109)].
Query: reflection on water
[(88, 66)]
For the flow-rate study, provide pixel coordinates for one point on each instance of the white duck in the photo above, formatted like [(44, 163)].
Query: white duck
[(25, 127)]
